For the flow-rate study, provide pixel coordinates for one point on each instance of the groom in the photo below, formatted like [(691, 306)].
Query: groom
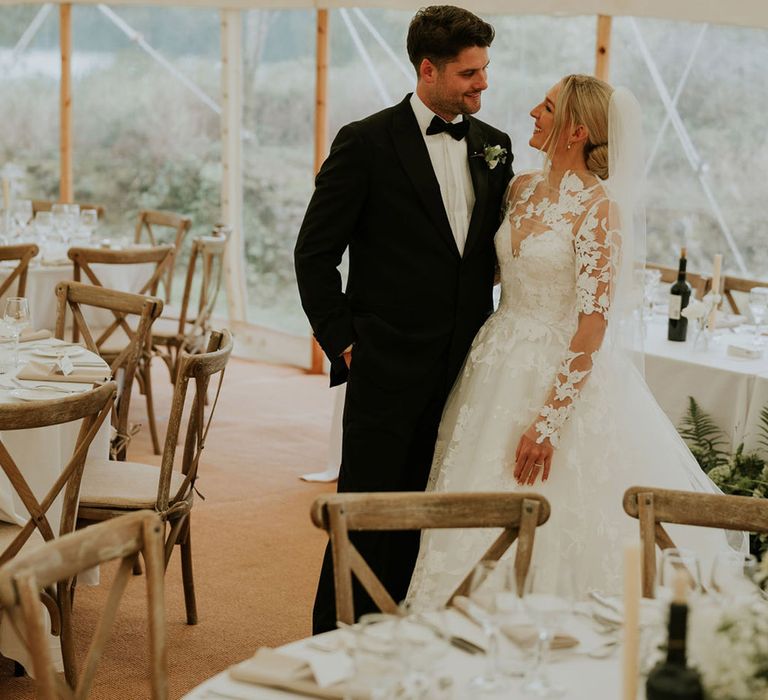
[(414, 192)]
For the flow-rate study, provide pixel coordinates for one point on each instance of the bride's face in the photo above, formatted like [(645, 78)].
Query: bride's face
[(544, 116)]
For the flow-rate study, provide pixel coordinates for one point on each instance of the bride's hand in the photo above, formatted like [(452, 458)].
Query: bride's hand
[(532, 458)]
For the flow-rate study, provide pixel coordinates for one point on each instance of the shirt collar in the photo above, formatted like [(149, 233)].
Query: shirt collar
[(424, 114)]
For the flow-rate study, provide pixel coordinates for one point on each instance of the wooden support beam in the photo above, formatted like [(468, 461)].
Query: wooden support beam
[(321, 134), (231, 159), (65, 111), (603, 47)]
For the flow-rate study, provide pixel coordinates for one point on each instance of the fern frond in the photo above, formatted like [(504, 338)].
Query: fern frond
[(703, 436), (763, 439)]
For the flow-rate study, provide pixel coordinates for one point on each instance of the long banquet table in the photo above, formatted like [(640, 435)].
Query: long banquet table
[(582, 675), (40, 454)]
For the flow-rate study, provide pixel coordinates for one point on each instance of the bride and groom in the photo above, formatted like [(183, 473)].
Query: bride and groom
[(442, 392)]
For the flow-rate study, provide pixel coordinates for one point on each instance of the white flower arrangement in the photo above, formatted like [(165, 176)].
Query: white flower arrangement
[(493, 155), (728, 644)]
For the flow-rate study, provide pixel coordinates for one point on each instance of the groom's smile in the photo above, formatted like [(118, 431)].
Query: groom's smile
[(456, 86)]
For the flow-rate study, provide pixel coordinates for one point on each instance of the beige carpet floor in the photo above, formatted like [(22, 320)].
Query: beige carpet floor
[(256, 553)]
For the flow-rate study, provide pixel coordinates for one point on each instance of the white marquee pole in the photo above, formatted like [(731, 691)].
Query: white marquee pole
[(231, 160)]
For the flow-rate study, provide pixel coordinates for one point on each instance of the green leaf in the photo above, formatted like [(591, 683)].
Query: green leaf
[(703, 436), (763, 440)]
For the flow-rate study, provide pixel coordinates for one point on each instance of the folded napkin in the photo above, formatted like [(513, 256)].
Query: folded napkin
[(41, 372), (274, 669), (726, 320), (28, 336)]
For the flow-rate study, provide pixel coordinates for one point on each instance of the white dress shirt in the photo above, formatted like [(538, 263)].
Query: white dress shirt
[(451, 166)]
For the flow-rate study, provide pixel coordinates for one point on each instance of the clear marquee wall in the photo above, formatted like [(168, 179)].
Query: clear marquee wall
[(210, 109)]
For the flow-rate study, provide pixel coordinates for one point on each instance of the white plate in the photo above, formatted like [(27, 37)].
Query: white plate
[(54, 351), (39, 394)]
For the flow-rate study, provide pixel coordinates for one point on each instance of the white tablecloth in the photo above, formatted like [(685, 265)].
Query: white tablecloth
[(42, 281), (583, 676), (732, 390), (40, 454)]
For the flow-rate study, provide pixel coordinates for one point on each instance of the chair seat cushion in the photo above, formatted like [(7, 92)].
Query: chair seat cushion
[(128, 485), (165, 328), (8, 533)]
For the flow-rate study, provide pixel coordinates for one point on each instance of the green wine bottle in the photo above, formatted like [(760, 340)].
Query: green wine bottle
[(673, 679)]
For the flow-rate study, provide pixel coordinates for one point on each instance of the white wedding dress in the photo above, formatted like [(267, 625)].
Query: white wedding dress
[(530, 364)]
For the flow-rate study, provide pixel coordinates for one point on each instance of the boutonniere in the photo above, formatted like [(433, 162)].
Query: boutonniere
[(493, 155)]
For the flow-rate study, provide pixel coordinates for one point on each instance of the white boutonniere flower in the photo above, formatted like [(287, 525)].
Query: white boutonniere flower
[(493, 155), (701, 309)]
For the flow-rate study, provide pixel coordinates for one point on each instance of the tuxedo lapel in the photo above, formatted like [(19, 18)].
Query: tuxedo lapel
[(412, 151), (479, 170)]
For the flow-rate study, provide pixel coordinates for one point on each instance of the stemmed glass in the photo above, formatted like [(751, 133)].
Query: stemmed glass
[(21, 210), (16, 318), (548, 606), (758, 307), (651, 281), (60, 220), (487, 583), (89, 219), (674, 560)]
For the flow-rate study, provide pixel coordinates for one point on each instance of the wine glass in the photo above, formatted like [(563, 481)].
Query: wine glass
[(16, 318), (60, 221), (758, 307), (651, 281), (487, 581), (733, 573), (549, 603), (89, 219), (676, 559), (21, 210)]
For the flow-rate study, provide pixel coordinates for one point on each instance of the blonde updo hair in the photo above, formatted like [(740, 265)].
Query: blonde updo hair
[(584, 100)]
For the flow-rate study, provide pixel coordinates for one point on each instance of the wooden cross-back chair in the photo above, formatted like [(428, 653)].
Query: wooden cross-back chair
[(150, 220), (653, 507), (116, 335), (91, 407), (55, 565), (111, 489), (699, 283), (187, 333), (23, 253), (740, 285), (46, 205), (74, 296), (339, 514)]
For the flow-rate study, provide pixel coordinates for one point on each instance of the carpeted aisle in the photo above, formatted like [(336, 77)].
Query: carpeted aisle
[(256, 553)]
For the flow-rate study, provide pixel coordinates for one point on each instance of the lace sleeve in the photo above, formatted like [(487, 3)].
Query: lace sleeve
[(597, 250)]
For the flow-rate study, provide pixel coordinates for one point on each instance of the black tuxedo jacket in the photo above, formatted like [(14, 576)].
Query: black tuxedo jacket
[(412, 302)]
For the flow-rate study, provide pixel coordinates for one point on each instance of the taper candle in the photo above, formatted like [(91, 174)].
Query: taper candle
[(631, 620)]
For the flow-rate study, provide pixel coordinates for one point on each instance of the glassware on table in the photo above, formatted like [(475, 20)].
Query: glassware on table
[(43, 223), (60, 219), (758, 307), (374, 649), (733, 573), (16, 318), (548, 603), (89, 219), (487, 582), (651, 282), (21, 211), (676, 559)]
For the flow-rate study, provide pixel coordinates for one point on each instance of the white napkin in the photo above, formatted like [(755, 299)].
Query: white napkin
[(28, 336), (41, 372)]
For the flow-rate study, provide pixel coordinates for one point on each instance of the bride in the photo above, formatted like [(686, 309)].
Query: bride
[(550, 397)]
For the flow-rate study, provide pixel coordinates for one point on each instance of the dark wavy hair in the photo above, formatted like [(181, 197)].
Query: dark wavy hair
[(440, 32)]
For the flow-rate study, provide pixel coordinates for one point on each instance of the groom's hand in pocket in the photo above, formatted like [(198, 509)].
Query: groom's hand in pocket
[(532, 459)]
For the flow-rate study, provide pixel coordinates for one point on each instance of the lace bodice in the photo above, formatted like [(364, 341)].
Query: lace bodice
[(557, 256)]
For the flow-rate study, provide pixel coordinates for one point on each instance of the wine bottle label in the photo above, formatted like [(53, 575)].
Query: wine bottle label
[(675, 306)]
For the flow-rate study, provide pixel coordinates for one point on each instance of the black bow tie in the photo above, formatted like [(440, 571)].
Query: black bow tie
[(458, 130)]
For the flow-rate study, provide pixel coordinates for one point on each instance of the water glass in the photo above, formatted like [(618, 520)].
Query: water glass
[(21, 210), (487, 582), (16, 318), (758, 307), (651, 281), (674, 560), (548, 605)]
